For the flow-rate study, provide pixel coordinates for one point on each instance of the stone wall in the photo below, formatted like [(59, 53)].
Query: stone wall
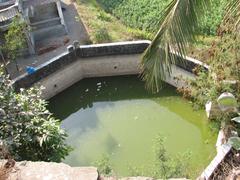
[(98, 60)]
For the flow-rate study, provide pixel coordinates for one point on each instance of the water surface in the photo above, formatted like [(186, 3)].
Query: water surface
[(118, 117)]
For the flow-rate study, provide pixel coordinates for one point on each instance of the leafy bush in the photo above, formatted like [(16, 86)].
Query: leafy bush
[(27, 127), (15, 38)]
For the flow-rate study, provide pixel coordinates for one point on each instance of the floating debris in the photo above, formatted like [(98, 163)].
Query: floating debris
[(86, 90)]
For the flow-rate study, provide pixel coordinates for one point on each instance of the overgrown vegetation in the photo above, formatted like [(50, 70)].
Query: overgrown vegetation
[(103, 27), (104, 165), (165, 166), (145, 14), (15, 39), (224, 74), (28, 129)]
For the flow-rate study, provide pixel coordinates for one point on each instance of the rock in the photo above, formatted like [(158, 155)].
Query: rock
[(137, 178), (52, 171)]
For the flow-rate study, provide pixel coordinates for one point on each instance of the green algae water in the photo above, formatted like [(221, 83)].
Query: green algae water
[(116, 116)]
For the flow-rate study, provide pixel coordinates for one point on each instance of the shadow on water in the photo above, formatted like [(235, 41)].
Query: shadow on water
[(86, 92)]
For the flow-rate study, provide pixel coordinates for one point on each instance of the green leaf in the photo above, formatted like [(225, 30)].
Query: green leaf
[(234, 142), (178, 25)]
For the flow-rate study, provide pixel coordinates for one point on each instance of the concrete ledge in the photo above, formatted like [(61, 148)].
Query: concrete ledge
[(222, 152), (119, 48)]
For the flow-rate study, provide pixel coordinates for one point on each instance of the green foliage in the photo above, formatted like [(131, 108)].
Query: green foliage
[(141, 14), (15, 38), (110, 5), (104, 16), (139, 34), (166, 166), (235, 142), (101, 34), (177, 28), (213, 17), (145, 14), (104, 166), (224, 75), (27, 127)]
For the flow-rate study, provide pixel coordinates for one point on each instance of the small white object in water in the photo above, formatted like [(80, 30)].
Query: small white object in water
[(115, 89), (86, 90), (99, 84), (98, 89)]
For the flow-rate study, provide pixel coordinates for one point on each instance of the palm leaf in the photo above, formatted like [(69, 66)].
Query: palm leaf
[(178, 25), (233, 10)]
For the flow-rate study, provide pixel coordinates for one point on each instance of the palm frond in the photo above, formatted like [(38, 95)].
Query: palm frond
[(178, 25), (233, 10)]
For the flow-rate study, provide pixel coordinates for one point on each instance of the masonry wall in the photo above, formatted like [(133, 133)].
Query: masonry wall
[(94, 61)]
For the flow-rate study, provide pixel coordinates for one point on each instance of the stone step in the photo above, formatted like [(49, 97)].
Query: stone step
[(49, 32), (46, 23)]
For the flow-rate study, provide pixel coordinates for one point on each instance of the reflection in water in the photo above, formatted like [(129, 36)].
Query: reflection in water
[(116, 116)]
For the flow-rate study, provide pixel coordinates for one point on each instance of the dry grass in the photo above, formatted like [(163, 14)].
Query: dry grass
[(95, 19)]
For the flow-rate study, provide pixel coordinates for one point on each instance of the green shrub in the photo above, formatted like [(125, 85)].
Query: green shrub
[(15, 38), (164, 166), (101, 34), (104, 166), (104, 16), (27, 127)]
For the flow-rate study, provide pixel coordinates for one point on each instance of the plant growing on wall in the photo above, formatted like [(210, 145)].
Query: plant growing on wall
[(27, 127)]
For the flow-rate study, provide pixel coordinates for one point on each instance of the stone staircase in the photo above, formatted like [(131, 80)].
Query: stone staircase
[(44, 21)]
